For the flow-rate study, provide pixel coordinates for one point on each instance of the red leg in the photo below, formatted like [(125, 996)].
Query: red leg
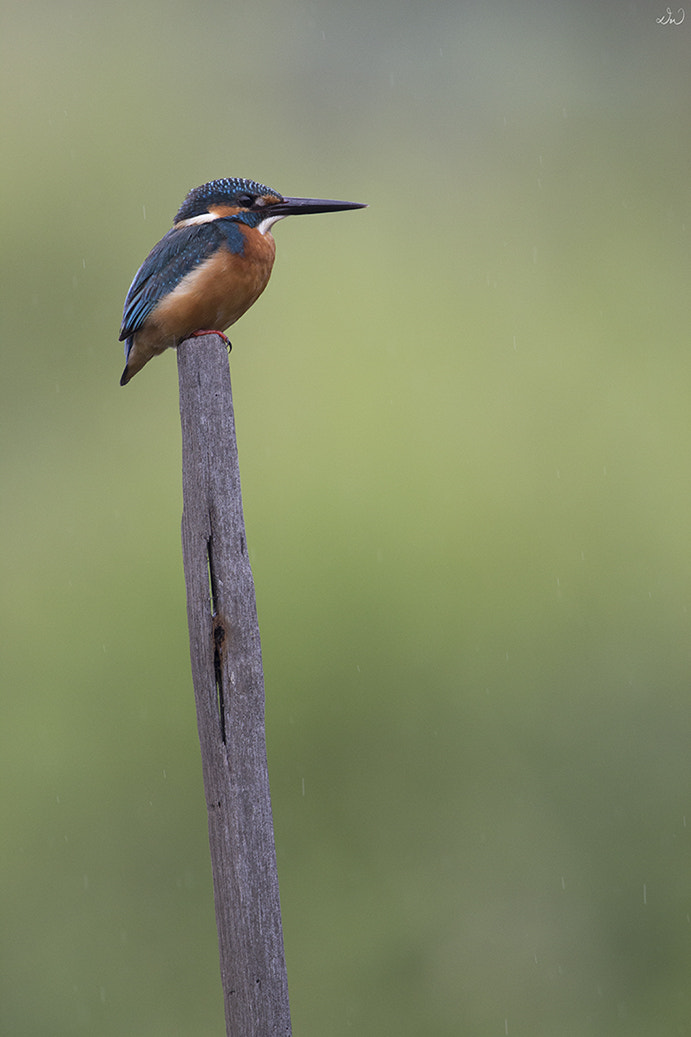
[(212, 331)]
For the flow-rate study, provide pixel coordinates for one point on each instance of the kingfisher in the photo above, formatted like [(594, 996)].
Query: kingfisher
[(210, 267)]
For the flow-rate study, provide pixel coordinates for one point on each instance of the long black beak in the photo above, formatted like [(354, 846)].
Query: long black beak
[(302, 206)]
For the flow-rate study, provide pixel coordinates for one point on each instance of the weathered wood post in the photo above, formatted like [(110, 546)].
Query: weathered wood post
[(229, 693)]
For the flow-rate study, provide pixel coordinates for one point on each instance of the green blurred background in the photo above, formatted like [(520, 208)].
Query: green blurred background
[(463, 419)]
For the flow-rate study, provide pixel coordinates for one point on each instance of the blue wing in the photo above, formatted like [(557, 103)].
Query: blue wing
[(176, 255)]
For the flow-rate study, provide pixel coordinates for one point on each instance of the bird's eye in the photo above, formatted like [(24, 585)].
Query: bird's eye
[(246, 201)]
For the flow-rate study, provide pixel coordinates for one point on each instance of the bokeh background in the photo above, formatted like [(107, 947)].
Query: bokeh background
[(463, 419)]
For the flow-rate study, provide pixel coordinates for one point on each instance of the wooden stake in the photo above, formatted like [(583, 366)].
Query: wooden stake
[(229, 692)]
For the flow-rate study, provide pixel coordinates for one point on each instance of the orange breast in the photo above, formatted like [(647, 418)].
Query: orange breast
[(217, 293)]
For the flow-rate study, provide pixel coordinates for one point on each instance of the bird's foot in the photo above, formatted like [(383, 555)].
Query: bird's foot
[(213, 331)]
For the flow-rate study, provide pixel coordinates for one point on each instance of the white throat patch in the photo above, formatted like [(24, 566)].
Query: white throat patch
[(267, 223)]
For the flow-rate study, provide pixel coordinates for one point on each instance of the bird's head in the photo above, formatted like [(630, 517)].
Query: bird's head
[(249, 202)]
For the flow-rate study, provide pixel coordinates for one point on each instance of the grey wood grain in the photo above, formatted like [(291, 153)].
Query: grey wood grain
[(229, 691)]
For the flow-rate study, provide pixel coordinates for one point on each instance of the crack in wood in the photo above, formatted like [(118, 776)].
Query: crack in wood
[(219, 637)]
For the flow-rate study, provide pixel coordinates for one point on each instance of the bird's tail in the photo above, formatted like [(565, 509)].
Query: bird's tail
[(127, 373), (136, 355)]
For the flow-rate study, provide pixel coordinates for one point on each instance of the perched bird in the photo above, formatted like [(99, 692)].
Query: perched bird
[(209, 268)]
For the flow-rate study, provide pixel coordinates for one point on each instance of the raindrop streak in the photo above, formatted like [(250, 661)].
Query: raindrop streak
[(645, 895)]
